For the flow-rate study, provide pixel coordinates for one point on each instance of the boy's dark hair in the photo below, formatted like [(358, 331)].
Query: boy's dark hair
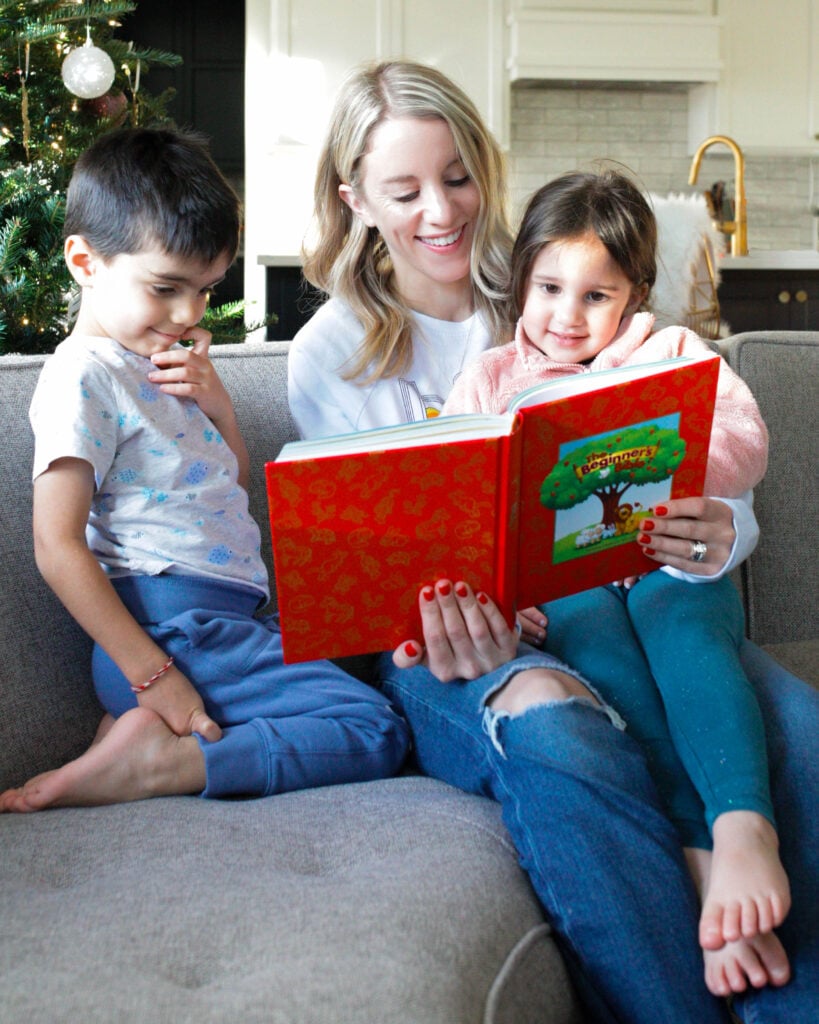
[(608, 204), (137, 187)]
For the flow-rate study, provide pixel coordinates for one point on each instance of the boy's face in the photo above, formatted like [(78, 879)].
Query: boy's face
[(147, 301)]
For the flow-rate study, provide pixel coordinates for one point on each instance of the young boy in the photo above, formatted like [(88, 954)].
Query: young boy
[(141, 521)]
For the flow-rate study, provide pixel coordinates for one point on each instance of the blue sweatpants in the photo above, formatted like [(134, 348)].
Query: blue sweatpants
[(665, 655), (284, 727)]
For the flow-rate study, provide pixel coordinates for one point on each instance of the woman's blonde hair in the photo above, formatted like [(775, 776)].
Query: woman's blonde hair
[(351, 261)]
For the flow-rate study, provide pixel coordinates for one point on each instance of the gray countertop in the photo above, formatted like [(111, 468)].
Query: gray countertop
[(758, 259), (278, 261), (771, 259)]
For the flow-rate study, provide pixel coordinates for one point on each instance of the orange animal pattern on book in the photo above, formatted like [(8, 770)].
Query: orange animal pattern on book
[(351, 521)]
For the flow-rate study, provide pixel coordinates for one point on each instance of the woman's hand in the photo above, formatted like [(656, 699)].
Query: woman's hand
[(465, 634), (695, 535)]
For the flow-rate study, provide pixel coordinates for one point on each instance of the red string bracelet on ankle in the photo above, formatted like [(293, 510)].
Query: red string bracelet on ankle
[(157, 675)]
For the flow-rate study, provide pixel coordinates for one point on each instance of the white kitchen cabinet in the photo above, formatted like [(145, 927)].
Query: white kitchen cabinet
[(768, 96), (297, 53)]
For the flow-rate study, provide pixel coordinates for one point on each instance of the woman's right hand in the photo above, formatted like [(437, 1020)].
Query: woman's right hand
[(465, 634)]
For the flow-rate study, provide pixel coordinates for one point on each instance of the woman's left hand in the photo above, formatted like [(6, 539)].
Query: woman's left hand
[(695, 535)]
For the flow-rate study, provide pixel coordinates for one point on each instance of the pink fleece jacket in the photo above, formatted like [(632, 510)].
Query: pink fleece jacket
[(738, 454)]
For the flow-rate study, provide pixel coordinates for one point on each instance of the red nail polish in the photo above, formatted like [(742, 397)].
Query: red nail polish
[(483, 599), (644, 539), (460, 589), (648, 524), (648, 551), (660, 510), (410, 650), (444, 589), (428, 594)]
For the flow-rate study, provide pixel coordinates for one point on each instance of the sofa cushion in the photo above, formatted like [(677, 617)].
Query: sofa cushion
[(392, 901)]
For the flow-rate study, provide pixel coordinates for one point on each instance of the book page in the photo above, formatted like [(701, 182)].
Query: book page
[(467, 426), (595, 380)]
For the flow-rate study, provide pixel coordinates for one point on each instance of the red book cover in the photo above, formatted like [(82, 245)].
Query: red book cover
[(596, 462), (356, 536), (548, 504)]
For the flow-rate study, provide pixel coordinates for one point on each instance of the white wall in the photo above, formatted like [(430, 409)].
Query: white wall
[(298, 51)]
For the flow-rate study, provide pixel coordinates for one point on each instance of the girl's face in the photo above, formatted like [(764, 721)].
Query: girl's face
[(415, 190), (576, 297), (147, 301)]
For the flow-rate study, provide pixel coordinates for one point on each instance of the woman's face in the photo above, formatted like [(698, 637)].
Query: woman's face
[(415, 190)]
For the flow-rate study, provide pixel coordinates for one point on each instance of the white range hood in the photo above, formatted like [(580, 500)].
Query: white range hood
[(628, 46)]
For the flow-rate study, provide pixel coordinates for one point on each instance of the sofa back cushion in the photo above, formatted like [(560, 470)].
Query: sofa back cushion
[(780, 580)]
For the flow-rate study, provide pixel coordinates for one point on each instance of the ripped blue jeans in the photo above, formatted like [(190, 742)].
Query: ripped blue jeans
[(589, 829), (603, 858)]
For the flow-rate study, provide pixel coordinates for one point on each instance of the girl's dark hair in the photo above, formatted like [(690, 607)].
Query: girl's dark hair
[(137, 187), (606, 203)]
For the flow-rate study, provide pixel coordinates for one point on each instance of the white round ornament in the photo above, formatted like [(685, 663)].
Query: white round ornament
[(88, 71)]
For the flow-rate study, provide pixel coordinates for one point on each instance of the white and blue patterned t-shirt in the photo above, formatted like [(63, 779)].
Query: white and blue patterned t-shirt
[(167, 494)]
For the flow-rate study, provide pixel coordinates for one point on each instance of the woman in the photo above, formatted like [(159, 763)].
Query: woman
[(411, 247)]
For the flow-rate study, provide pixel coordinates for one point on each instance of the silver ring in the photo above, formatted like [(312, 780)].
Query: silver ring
[(698, 550)]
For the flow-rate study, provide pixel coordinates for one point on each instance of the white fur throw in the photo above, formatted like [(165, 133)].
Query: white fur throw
[(685, 291)]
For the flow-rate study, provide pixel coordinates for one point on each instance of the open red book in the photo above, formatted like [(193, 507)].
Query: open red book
[(542, 501)]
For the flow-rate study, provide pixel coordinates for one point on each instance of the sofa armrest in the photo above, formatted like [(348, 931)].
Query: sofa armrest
[(781, 579)]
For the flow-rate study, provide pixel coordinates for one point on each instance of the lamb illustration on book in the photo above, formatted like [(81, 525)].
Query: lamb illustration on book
[(592, 475)]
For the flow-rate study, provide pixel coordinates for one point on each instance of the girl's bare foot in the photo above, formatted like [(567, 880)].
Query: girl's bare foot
[(134, 757), (758, 961), (747, 893)]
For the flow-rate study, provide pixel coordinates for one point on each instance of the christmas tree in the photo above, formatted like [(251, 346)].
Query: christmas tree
[(65, 77)]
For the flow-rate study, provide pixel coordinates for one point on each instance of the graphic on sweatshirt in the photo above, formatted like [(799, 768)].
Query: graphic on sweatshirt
[(418, 406)]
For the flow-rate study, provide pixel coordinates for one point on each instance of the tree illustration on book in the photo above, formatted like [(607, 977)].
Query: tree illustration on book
[(586, 486)]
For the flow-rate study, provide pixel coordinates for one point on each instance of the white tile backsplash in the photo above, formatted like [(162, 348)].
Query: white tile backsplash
[(556, 129)]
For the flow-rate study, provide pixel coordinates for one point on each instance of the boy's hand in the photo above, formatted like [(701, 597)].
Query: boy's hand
[(189, 373), (175, 700)]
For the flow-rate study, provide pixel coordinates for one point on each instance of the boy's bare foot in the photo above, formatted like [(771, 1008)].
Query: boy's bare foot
[(103, 728), (134, 757), (758, 961), (747, 893)]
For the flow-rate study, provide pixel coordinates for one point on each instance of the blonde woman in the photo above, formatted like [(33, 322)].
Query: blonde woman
[(411, 247), (407, 312)]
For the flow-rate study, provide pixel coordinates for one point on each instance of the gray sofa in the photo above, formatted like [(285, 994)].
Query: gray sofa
[(396, 901)]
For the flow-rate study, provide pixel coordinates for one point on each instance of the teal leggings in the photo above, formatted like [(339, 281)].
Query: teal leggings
[(665, 655)]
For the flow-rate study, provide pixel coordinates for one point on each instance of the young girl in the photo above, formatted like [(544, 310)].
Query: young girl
[(582, 267)]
